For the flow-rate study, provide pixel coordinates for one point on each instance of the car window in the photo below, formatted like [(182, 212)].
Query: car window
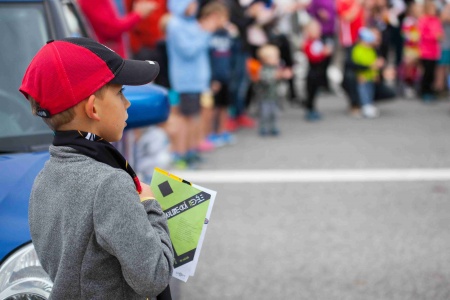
[(73, 21), (23, 32)]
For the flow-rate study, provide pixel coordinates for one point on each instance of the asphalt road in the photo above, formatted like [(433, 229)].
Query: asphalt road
[(386, 240)]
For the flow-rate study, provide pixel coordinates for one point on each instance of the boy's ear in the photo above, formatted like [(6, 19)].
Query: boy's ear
[(90, 108)]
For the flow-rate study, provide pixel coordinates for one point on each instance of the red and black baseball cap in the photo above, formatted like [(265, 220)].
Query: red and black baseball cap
[(65, 72)]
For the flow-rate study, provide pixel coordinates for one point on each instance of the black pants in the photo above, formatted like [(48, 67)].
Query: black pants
[(282, 42), (429, 67), (317, 77), (350, 82)]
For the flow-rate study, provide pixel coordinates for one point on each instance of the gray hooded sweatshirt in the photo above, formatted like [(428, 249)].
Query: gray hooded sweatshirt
[(93, 236)]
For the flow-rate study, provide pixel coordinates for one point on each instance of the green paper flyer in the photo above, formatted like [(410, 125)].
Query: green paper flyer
[(186, 208)]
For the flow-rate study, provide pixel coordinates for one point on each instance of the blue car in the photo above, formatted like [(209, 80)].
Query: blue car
[(25, 26)]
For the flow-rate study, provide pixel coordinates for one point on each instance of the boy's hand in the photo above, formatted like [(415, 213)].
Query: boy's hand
[(378, 64), (232, 29), (215, 86), (287, 73), (144, 8), (327, 50), (146, 193)]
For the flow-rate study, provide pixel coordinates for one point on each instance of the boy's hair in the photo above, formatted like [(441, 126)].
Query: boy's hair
[(267, 51), (313, 22), (214, 8), (64, 117)]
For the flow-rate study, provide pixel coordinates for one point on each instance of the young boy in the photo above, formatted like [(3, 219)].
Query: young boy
[(220, 54), (98, 231), (317, 53), (365, 56), (189, 66), (266, 89)]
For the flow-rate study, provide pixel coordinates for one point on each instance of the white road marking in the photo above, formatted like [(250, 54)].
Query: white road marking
[(311, 176)]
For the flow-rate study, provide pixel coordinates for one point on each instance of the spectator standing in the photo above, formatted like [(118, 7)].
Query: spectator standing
[(108, 26), (364, 54), (105, 235), (240, 81), (189, 65), (145, 36), (281, 35), (351, 19), (318, 54), (431, 33), (324, 11), (220, 51), (444, 63), (263, 12), (409, 70), (266, 88)]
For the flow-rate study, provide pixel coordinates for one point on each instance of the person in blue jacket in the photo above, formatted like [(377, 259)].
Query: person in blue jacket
[(189, 66)]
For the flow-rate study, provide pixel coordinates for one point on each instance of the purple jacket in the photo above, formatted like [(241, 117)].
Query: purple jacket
[(328, 25)]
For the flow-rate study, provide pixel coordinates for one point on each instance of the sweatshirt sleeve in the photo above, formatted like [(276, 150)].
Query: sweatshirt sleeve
[(135, 233), (104, 19)]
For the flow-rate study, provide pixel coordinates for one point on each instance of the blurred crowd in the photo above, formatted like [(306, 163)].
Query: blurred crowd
[(220, 58)]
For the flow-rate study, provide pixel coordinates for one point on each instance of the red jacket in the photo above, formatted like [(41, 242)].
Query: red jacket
[(431, 32), (107, 24), (147, 33), (348, 29), (314, 50)]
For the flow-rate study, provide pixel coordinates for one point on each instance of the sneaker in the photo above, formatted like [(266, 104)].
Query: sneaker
[(216, 140), (370, 111), (206, 146), (409, 92), (312, 116), (180, 164), (246, 121), (263, 132), (275, 132), (428, 98), (228, 138), (193, 160), (232, 125)]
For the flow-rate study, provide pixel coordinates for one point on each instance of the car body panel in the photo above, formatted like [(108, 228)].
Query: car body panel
[(16, 177), (23, 156)]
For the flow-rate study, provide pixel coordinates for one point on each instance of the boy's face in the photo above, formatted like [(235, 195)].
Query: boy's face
[(377, 35), (222, 21), (272, 58), (315, 31), (112, 109)]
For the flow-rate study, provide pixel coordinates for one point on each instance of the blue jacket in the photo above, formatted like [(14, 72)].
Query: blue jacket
[(220, 49), (187, 50)]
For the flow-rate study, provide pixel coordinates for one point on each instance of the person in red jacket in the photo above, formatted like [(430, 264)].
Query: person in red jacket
[(317, 53), (108, 25), (145, 36)]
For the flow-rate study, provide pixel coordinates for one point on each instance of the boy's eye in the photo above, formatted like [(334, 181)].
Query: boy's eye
[(121, 91)]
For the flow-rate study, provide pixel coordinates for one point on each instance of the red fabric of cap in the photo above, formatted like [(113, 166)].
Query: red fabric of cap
[(63, 74)]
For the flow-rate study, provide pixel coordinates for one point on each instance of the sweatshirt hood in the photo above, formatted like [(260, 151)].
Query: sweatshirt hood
[(178, 7)]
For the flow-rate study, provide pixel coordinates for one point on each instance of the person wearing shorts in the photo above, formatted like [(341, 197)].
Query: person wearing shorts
[(189, 69)]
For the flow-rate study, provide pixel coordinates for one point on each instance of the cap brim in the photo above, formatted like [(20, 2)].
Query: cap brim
[(136, 72)]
